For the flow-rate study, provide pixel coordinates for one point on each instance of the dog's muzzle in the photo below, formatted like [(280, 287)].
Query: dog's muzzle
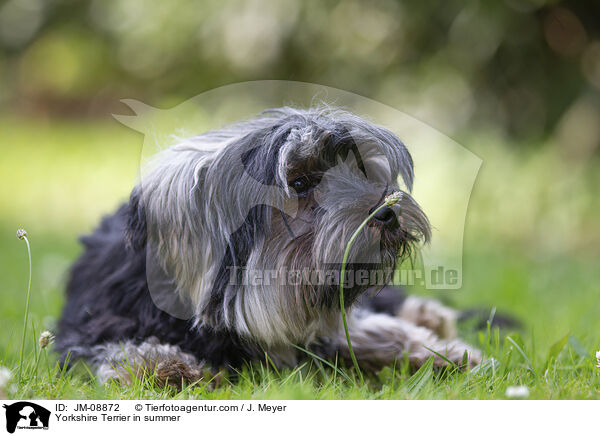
[(386, 217)]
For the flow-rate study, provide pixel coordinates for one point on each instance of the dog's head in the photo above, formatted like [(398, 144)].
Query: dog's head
[(250, 223)]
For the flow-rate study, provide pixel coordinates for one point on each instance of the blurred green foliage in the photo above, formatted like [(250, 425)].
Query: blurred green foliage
[(514, 66)]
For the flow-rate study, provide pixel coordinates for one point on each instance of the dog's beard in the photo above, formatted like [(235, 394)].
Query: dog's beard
[(297, 296)]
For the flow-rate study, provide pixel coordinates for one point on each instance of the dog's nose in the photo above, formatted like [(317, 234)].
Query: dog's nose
[(386, 216)]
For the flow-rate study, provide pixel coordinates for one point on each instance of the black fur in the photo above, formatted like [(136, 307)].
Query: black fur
[(388, 300), (108, 301)]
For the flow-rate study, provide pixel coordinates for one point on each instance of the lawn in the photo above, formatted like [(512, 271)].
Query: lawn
[(534, 257)]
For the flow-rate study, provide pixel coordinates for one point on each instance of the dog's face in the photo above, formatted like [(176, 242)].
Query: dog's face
[(251, 223), (336, 187)]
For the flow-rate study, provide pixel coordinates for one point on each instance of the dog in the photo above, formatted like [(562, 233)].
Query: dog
[(168, 284)]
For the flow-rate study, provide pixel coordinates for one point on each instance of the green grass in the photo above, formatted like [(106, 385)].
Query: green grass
[(57, 179)]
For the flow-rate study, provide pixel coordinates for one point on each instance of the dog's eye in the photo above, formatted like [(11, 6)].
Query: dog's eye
[(301, 185)]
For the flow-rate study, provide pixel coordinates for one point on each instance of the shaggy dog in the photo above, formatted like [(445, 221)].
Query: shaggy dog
[(229, 250)]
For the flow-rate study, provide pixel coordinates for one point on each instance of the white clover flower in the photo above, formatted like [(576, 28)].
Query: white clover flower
[(517, 392), (598, 359), (46, 338), (21, 233), (5, 376)]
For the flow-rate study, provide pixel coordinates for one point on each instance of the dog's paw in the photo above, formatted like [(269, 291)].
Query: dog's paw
[(176, 373), (462, 355), (445, 354), (432, 314)]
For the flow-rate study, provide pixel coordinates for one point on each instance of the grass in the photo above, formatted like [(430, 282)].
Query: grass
[(63, 176), (566, 371), (22, 235)]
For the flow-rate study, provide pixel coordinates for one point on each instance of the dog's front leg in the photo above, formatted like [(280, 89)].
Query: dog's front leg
[(168, 364), (431, 314), (380, 339)]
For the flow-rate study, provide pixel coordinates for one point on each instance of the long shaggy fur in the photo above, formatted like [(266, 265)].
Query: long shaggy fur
[(175, 264)]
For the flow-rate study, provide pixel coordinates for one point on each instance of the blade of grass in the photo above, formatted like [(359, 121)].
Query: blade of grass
[(320, 359), (270, 361), (452, 364), (22, 234), (320, 368), (418, 380), (388, 201), (522, 353), (556, 348)]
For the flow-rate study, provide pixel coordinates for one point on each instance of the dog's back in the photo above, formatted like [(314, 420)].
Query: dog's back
[(108, 302), (103, 294)]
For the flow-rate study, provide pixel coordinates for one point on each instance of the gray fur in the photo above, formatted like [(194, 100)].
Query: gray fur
[(225, 199), (197, 193)]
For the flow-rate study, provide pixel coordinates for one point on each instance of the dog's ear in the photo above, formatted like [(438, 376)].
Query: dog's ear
[(135, 232), (339, 144), (261, 161)]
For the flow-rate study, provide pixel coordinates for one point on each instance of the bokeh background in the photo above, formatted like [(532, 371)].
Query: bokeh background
[(517, 82)]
